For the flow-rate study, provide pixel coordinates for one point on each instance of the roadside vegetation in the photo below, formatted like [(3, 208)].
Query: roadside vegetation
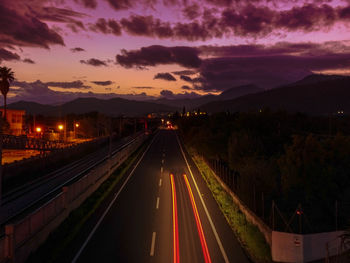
[(60, 239), (292, 170), (251, 239)]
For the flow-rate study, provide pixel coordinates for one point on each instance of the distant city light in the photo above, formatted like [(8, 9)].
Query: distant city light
[(38, 129), (77, 125), (60, 127)]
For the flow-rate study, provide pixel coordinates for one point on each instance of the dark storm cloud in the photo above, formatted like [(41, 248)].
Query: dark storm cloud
[(186, 78), (168, 94), (94, 62), (246, 21), (184, 72), (165, 76), (7, 55), (18, 27), (55, 14), (159, 55), (87, 3), (68, 85), (103, 83), (191, 11), (146, 26), (265, 71), (77, 49), (106, 27), (121, 4), (28, 60), (280, 48)]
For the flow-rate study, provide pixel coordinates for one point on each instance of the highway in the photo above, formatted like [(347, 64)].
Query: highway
[(162, 212), (27, 197)]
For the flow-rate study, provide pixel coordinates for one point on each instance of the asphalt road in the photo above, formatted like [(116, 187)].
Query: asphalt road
[(158, 215)]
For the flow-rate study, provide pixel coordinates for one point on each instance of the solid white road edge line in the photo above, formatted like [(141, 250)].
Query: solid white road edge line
[(204, 206), (157, 205), (110, 205), (153, 244)]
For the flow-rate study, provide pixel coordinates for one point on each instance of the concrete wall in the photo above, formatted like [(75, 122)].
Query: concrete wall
[(288, 247), (27, 234)]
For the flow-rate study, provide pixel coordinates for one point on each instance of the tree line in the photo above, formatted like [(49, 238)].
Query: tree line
[(299, 162)]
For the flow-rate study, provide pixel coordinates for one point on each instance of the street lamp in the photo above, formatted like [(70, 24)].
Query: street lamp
[(61, 127), (76, 125), (38, 129)]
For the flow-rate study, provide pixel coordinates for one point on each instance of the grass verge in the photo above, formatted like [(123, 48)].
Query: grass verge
[(61, 238), (248, 234)]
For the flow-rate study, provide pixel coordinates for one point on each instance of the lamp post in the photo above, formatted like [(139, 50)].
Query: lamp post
[(38, 131), (76, 126), (60, 128)]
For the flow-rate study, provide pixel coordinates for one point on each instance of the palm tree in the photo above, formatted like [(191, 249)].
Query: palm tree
[(6, 77)]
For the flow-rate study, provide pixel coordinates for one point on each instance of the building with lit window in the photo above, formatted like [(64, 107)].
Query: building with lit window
[(15, 118)]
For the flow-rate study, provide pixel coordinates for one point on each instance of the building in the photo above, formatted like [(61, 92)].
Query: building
[(15, 118)]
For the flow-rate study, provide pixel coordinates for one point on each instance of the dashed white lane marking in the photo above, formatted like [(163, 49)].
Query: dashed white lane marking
[(153, 244), (160, 182), (161, 169), (110, 205), (157, 205), (162, 161)]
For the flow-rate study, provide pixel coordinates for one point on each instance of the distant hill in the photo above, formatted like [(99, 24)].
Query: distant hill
[(316, 78), (187, 103), (115, 107), (313, 95), (231, 93), (239, 91), (31, 107)]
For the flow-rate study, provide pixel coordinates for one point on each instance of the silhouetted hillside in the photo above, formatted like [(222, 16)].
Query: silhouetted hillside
[(31, 107), (239, 91), (115, 106), (320, 97), (228, 94), (316, 78)]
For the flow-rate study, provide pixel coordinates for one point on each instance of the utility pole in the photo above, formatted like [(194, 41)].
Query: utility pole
[(336, 215), (1, 168)]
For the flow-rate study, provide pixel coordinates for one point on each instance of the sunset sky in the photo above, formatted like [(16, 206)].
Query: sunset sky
[(143, 49)]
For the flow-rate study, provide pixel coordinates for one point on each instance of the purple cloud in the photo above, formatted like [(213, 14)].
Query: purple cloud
[(77, 49), (103, 83), (165, 76), (94, 62), (7, 55), (159, 55), (28, 60)]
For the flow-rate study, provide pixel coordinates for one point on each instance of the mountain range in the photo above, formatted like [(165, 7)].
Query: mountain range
[(315, 94)]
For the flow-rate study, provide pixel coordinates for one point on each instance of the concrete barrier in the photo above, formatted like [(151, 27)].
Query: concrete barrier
[(26, 235), (289, 247)]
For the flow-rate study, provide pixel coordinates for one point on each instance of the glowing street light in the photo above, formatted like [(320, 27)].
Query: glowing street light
[(76, 125), (60, 127), (38, 129)]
